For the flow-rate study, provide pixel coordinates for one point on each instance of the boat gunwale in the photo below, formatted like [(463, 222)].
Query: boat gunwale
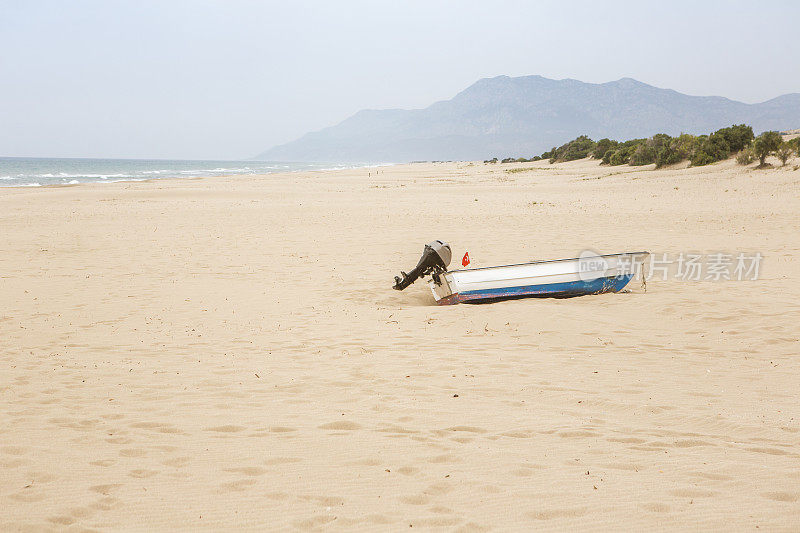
[(544, 261)]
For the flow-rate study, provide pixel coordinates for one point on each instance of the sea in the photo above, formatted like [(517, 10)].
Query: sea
[(38, 172)]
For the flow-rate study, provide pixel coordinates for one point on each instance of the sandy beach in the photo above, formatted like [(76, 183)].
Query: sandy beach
[(228, 352)]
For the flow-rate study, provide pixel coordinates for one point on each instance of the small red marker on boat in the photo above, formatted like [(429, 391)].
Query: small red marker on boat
[(465, 259)]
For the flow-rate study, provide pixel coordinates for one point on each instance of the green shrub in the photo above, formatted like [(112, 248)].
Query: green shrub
[(620, 157), (765, 144), (745, 157), (686, 144), (603, 146), (710, 150), (646, 152), (737, 136), (678, 149), (660, 149), (796, 144), (784, 152), (643, 154), (668, 155), (575, 149), (549, 155)]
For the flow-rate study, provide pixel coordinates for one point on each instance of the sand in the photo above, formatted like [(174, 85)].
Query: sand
[(228, 353)]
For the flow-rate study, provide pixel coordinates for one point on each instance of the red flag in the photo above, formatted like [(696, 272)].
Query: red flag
[(465, 259)]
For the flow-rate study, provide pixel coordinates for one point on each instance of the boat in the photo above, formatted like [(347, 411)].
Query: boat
[(590, 273)]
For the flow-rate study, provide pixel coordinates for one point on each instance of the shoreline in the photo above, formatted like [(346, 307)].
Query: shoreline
[(174, 174), (504, 167)]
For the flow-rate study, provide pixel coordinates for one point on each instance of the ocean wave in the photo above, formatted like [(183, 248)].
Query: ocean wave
[(126, 179), (66, 175), (37, 173), (241, 170)]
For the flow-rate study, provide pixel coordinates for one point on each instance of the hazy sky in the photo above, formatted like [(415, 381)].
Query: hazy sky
[(230, 78)]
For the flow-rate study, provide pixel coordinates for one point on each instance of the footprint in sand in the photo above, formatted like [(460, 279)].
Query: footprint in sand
[(106, 503), (133, 452), (712, 476), (80, 512), (119, 440), (518, 434), (770, 451), (341, 425), (580, 433), (549, 514), (238, 485), (15, 450), (177, 462), (314, 522), (105, 490), (416, 499), (142, 473), (248, 470), (692, 493), (787, 497), (282, 461), (655, 507), (62, 520), (328, 501), (226, 429), (468, 429), (472, 527), (623, 466), (445, 458), (626, 440), (690, 443), (29, 494), (439, 521), (281, 429)]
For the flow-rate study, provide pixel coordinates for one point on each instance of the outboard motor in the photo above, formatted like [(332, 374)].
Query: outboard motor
[(434, 260)]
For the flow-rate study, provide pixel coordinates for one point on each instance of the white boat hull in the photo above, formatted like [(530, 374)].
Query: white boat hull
[(591, 274)]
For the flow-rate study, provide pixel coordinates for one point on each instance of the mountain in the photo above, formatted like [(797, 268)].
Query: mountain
[(528, 115)]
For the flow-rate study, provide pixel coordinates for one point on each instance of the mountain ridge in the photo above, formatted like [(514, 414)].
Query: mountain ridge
[(526, 115)]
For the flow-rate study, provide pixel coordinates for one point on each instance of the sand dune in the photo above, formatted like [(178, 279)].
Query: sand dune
[(215, 353)]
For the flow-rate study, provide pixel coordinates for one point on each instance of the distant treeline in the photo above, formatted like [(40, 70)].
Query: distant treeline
[(664, 150)]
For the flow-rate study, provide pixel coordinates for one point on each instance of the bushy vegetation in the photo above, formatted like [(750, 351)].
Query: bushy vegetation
[(738, 137), (794, 144), (678, 149), (603, 146), (710, 149), (746, 156), (664, 150), (765, 144), (575, 149), (784, 152), (621, 154)]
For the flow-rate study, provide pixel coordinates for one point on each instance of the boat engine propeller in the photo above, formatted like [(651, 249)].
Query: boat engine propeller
[(434, 260)]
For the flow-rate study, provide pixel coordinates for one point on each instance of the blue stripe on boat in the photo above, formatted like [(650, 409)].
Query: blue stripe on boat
[(555, 290)]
